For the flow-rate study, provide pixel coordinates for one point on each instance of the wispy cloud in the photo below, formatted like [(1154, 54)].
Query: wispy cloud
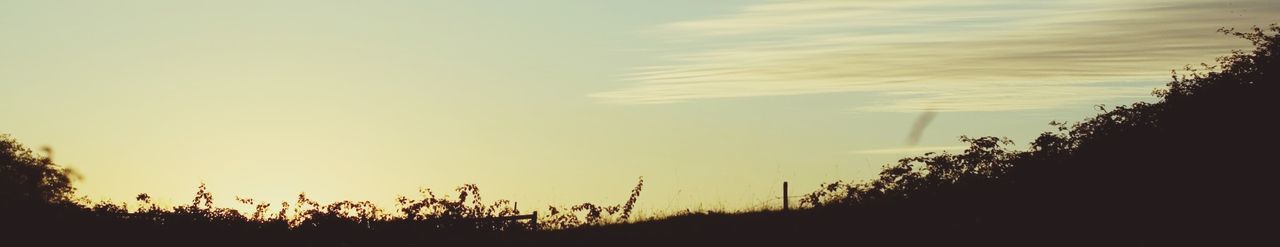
[(944, 55), (909, 150)]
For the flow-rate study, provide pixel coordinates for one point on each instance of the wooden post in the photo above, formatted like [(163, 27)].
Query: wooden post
[(786, 201), (534, 221)]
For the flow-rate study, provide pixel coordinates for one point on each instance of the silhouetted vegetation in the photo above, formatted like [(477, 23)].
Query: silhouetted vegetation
[(1195, 167), (38, 208), (29, 179)]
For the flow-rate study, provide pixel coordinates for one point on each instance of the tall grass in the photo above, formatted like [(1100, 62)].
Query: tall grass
[(466, 209)]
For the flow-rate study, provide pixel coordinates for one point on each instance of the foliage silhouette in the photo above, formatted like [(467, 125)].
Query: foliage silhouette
[(28, 178), (563, 218), (1194, 167)]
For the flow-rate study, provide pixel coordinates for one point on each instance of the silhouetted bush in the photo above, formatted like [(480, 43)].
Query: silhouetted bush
[(592, 214), (37, 201), (1196, 165), (28, 178)]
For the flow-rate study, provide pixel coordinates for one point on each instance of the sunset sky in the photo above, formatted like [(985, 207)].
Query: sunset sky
[(715, 103)]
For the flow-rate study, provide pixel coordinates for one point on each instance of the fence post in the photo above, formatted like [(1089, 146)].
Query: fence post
[(786, 201), (534, 221)]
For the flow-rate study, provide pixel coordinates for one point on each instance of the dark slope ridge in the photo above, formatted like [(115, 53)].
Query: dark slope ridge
[(1197, 167)]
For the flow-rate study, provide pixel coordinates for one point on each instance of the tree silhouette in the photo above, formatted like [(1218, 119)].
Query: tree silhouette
[(1195, 166), (28, 178)]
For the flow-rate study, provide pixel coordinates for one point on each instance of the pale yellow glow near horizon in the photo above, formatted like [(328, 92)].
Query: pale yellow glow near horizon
[(714, 103)]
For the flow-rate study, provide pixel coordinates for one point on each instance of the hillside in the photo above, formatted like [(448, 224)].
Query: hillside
[(1194, 168)]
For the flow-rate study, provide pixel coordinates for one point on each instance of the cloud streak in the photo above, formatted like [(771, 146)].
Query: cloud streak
[(987, 55)]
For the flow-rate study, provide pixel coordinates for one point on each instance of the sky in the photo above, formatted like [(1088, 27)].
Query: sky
[(714, 103)]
